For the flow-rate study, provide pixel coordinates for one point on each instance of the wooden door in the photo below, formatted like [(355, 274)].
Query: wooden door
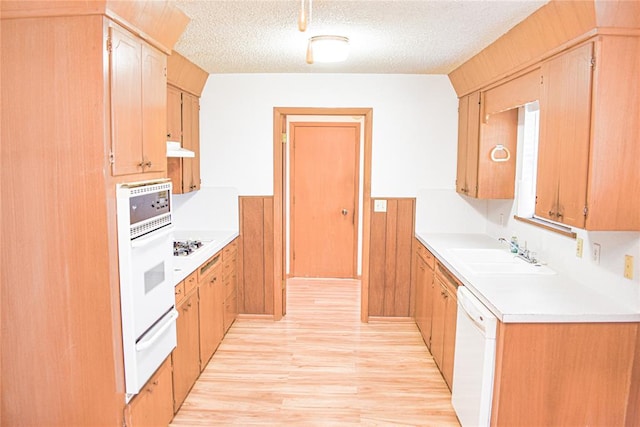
[(324, 188), (153, 406), (563, 151)]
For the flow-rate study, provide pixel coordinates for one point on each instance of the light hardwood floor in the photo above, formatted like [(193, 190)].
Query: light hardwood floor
[(320, 366)]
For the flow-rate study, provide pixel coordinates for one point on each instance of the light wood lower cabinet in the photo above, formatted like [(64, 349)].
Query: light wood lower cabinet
[(230, 279), (209, 287), (566, 374), (153, 406), (186, 355), (424, 262), (436, 309), (207, 304)]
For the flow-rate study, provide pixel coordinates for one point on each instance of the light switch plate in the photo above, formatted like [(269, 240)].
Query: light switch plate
[(579, 245), (628, 266), (379, 205)]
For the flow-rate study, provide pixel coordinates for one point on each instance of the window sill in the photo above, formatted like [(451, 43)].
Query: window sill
[(547, 225)]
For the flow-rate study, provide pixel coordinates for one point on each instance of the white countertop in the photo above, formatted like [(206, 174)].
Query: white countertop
[(214, 240), (523, 298)]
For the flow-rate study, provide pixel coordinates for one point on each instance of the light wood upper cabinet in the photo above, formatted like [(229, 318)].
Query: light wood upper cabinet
[(174, 114), (468, 134), (589, 156), (138, 104), (563, 151), (486, 151), (183, 119), (191, 141)]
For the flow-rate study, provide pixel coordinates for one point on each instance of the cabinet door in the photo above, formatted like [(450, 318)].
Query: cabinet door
[(154, 109), (153, 405), (210, 313), (563, 151), (186, 355), (174, 114), (191, 141), (468, 138), (421, 267), (438, 322), (449, 341), (126, 102)]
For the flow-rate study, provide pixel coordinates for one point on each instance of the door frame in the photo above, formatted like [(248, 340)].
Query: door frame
[(354, 254), (279, 213)]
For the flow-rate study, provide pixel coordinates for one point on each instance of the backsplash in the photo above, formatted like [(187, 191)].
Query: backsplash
[(210, 208), (444, 211), (605, 277)]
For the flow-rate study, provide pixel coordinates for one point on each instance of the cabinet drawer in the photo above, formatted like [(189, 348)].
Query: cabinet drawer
[(448, 279), (179, 292), (209, 267), (426, 256), (230, 310), (190, 282), (230, 251)]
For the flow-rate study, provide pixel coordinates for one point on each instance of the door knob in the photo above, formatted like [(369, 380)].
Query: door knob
[(345, 212)]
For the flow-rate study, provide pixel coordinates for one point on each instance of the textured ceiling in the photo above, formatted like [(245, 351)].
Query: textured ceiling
[(391, 36)]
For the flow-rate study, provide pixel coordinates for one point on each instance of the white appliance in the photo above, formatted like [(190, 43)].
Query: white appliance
[(474, 361), (147, 301)]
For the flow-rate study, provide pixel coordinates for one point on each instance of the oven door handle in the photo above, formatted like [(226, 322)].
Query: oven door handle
[(144, 241), (143, 345)]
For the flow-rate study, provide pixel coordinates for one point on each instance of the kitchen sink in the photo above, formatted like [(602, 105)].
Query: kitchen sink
[(496, 261)]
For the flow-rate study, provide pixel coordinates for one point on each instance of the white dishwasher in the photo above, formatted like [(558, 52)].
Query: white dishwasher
[(474, 361)]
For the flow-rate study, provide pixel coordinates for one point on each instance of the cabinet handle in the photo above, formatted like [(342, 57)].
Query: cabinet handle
[(148, 164)]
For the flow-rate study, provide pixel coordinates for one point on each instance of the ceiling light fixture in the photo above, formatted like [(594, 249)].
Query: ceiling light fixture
[(327, 49)]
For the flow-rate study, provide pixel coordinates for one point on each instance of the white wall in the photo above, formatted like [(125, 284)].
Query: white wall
[(414, 155), (414, 126)]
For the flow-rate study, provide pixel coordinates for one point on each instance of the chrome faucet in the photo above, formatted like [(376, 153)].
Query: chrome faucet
[(524, 254)]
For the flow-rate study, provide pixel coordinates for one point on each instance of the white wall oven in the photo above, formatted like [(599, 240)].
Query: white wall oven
[(145, 251)]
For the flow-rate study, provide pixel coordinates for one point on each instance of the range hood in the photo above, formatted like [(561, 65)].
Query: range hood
[(175, 150)]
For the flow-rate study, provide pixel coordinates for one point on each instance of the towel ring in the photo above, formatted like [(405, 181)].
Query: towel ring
[(498, 148)]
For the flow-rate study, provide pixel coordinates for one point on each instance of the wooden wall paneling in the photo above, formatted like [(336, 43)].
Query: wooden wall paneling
[(269, 285), (390, 255), (377, 264), (405, 230), (61, 357), (256, 236)]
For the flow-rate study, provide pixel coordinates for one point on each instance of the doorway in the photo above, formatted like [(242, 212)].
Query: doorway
[(280, 220), (323, 199)]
